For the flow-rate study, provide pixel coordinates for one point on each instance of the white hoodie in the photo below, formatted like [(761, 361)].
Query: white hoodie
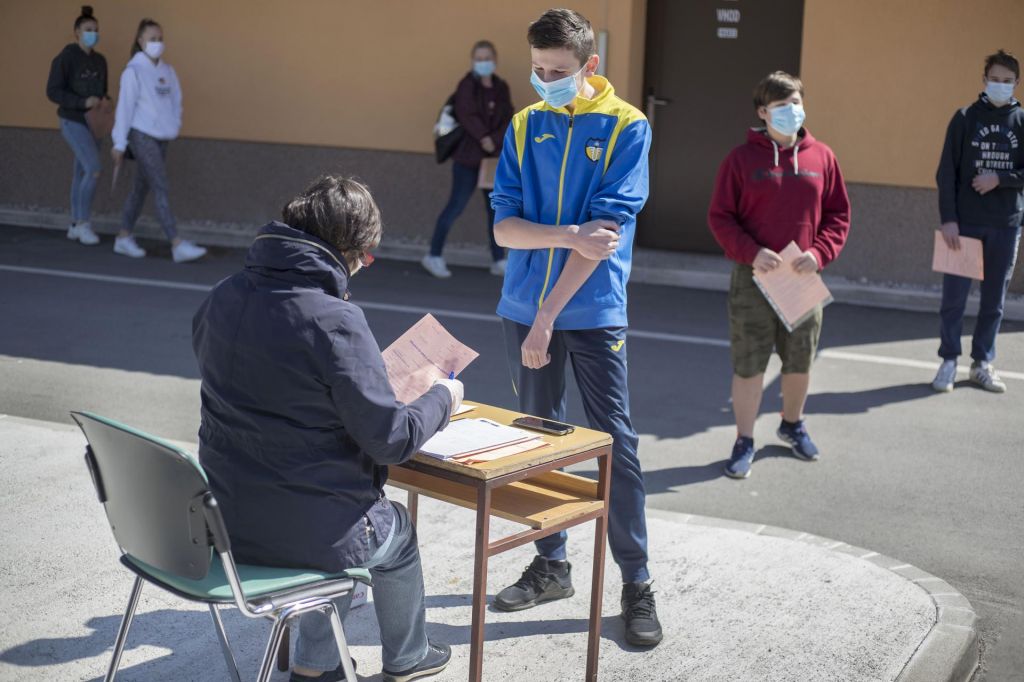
[(150, 101)]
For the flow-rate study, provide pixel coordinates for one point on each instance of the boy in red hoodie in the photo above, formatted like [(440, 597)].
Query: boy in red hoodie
[(781, 186)]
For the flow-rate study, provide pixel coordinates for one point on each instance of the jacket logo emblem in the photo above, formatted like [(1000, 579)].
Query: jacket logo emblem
[(594, 149), (617, 346), (545, 136)]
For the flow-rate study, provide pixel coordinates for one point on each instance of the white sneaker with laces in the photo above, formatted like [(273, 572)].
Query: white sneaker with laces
[(984, 375), (126, 246), (436, 266), (498, 267), (186, 251), (944, 378), (83, 233)]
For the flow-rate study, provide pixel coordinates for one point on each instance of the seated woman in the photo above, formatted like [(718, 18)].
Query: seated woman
[(299, 423)]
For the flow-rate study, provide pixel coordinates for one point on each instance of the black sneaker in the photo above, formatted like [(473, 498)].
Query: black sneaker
[(542, 581), (336, 675), (638, 610), (434, 662)]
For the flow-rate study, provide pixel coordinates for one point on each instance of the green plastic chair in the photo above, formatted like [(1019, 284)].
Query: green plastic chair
[(172, 535)]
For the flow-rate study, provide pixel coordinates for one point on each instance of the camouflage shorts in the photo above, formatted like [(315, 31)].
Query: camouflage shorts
[(755, 330)]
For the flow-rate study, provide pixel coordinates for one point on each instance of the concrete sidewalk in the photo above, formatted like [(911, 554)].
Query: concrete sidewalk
[(737, 601)]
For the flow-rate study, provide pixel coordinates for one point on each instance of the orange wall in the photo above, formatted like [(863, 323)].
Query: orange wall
[(883, 77), (345, 73)]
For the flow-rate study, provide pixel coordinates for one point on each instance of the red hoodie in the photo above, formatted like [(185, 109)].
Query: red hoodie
[(766, 196)]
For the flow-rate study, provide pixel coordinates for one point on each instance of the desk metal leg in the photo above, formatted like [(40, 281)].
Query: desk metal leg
[(412, 503), (481, 555), (597, 585)]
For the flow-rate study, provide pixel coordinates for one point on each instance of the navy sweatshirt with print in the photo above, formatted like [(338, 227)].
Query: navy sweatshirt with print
[(983, 138), (74, 77)]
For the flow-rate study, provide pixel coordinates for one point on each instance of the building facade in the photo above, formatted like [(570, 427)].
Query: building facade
[(275, 93)]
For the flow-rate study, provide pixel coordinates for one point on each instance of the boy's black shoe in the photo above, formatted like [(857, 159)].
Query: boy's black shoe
[(336, 675), (434, 662), (542, 581), (638, 610)]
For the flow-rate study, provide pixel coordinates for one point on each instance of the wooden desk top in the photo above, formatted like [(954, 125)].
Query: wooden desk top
[(578, 441)]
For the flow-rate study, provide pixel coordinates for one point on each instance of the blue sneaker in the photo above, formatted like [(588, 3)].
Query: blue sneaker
[(742, 458), (795, 435)]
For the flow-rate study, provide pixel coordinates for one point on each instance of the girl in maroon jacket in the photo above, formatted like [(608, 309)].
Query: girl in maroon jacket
[(483, 107), (781, 186)]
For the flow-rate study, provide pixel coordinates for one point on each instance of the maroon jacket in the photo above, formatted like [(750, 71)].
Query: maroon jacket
[(482, 112), (766, 196)]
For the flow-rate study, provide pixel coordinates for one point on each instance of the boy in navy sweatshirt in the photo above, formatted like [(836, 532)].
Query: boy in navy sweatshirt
[(981, 195), (781, 186)]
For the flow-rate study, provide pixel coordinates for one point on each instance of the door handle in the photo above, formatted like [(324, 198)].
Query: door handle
[(653, 102)]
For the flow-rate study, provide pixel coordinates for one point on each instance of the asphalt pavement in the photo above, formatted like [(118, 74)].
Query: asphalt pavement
[(932, 479)]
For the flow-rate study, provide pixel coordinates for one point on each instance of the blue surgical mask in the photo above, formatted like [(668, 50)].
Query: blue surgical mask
[(90, 38), (788, 118), (557, 93), (484, 68), (999, 93)]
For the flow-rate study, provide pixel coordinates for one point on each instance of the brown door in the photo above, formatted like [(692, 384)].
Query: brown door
[(704, 58)]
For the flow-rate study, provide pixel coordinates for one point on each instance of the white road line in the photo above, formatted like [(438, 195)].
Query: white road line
[(827, 353)]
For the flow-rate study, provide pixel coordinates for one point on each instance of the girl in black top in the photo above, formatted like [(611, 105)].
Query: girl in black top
[(77, 83)]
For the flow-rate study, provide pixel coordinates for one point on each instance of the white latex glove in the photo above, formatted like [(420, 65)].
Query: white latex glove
[(456, 390)]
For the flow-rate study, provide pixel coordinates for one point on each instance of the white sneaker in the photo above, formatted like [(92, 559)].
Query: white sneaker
[(498, 267), (436, 266), (944, 378), (186, 251), (126, 246), (83, 233), (984, 375)]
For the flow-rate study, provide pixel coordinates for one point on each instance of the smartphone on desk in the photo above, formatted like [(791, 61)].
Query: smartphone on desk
[(543, 425)]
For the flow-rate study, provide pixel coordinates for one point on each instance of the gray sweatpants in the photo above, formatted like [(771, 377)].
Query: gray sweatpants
[(150, 173)]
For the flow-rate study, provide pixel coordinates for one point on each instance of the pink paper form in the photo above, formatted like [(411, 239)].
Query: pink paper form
[(423, 354)]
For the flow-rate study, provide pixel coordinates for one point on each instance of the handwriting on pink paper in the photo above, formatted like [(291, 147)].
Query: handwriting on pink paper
[(422, 355), (967, 262)]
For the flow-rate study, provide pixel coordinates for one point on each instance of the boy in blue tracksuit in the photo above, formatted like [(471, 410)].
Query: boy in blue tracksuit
[(571, 179)]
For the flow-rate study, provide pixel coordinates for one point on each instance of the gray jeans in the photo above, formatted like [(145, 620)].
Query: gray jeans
[(397, 598), (150, 173)]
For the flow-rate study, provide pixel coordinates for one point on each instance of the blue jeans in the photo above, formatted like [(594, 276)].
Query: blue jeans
[(598, 359), (464, 181), (397, 597), (150, 173), (999, 250), (85, 171)]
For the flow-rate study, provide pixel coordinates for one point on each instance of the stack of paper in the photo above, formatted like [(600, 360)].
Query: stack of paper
[(480, 440)]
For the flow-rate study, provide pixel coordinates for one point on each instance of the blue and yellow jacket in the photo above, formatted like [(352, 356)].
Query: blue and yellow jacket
[(558, 168)]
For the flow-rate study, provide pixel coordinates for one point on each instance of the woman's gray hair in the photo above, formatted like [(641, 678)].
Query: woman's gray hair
[(339, 210)]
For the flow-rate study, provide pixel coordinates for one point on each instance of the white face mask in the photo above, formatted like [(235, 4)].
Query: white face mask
[(999, 93), (154, 49)]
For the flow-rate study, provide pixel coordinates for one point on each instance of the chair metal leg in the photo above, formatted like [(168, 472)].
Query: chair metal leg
[(122, 633), (276, 632), (283, 650), (339, 637), (229, 658)]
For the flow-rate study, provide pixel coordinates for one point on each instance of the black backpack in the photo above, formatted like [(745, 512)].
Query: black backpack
[(447, 131)]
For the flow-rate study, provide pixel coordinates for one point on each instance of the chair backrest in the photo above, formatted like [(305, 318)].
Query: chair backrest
[(153, 494)]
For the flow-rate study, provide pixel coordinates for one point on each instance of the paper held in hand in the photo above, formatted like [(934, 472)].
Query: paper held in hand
[(488, 169), (967, 262), (422, 355), (793, 296)]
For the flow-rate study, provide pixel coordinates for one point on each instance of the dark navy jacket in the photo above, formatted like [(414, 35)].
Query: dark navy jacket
[(299, 421)]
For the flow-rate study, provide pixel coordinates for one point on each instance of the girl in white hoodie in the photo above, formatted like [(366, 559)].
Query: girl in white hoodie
[(148, 117)]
